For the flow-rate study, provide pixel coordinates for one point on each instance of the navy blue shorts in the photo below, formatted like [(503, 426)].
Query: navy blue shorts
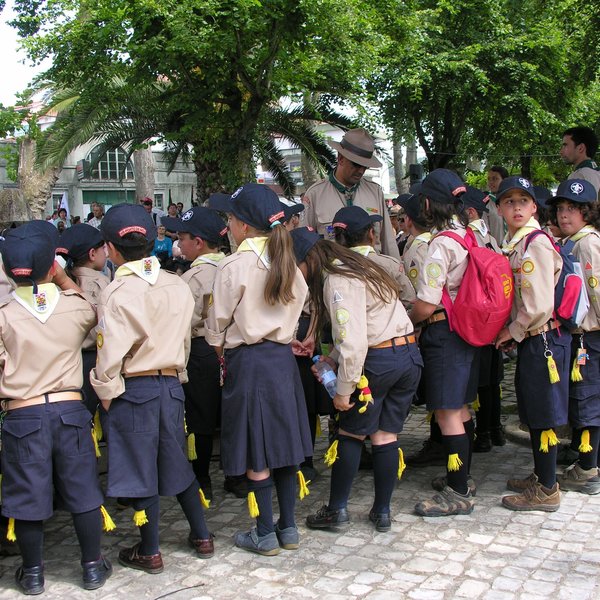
[(584, 396), (48, 447), (147, 450), (263, 411), (543, 405), (90, 398), (451, 368), (393, 375), (203, 390), (491, 367)]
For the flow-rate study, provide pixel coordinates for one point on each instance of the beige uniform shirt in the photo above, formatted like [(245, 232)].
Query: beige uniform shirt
[(588, 174), (6, 287), (536, 272), (359, 320), (414, 256), (239, 313), (92, 283), (39, 358), (323, 200), (483, 235), (200, 277), (587, 251), (494, 222), (141, 327), (444, 265)]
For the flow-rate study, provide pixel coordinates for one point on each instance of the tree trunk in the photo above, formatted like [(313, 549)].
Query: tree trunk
[(143, 163), (35, 186), (401, 183)]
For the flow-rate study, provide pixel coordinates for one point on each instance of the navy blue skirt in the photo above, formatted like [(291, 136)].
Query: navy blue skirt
[(584, 396), (451, 368), (264, 424), (543, 405)]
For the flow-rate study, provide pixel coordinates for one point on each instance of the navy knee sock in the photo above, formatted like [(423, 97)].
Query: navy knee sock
[(190, 503), (263, 491), (457, 445), (545, 462), (30, 539), (285, 485), (435, 433), (385, 473), (484, 414), (343, 471), (204, 446), (88, 527), (149, 531), (470, 431), (589, 460)]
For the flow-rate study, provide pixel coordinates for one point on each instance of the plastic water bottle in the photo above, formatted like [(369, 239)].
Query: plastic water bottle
[(327, 375)]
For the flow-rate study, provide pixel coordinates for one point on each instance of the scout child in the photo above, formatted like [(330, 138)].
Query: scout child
[(46, 434), (143, 339), (258, 296), (542, 374)]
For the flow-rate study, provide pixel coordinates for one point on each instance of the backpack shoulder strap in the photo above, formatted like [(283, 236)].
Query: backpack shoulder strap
[(457, 238), (531, 236)]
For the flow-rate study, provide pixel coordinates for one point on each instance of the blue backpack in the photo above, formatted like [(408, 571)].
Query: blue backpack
[(571, 301)]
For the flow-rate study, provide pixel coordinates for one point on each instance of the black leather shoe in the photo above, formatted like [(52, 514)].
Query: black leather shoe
[(498, 436), (483, 442), (382, 521), (30, 580), (95, 573), (328, 519)]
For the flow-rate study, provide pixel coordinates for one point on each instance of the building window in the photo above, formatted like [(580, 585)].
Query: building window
[(158, 200), (112, 165)]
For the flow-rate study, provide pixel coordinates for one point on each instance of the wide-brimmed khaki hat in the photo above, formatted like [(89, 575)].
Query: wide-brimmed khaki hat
[(358, 146)]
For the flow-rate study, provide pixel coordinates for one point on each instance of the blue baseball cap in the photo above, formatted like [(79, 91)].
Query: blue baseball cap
[(575, 190), (290, 211), (354, 218), (122, 219), (303, 238), (78, 240), (198, 221), (412, 207), (255, 204), (542, 195), (443, 186), (474, 198), (515, 182)]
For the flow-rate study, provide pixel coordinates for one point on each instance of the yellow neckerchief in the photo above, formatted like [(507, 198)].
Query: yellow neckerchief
[(479, 225), (585, 230), (509, 245), (212, 258), (40, 305), (256, 245), (147, 269), (363, 250), (423, 237)]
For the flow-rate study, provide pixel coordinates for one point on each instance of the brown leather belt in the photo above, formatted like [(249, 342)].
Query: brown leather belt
[(37, 400), (434, 318), (547, 327), (399, 341), (152, 373)]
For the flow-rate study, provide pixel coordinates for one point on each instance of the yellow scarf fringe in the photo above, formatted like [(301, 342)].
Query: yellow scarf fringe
[(95, 440), (203, 499), (140, 518), (303, 485), (331, 455), (576, 372), (585, 445), (318, 430), (107, 523), (454, 462), (98, 426), (476, 405), (10, 531), (191, 447), (548, 438), (253, 505), (401, 463), (552, 370)]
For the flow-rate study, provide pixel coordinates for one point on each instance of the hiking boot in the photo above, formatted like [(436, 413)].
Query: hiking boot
[(382, 521), (267, 545), (566, 455), (95, 573), (151, 563), (519, 485), (439, 483), (325, 518), (288, 537), (483, 442), (30, 580), (498, 436), (446, 503), (237, 485), (535, 497), (432, 453), (574, 479)]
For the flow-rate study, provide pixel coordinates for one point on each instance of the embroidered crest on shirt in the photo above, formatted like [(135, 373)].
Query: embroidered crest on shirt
[(41, 302), (342, 316), (337, 297)]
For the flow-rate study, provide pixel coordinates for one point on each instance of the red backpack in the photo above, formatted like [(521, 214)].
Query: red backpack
[(485, 296)]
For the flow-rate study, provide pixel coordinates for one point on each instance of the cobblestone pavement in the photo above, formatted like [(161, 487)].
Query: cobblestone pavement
[(491, 554)]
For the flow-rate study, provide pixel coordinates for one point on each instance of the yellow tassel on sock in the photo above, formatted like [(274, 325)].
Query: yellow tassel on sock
[(10, 531), (98, 426), (253, 505), (401, 463), (548, 438), (203, 499), (454, 462), (576, 372), (96, 446), (331, 455), (140, 518), (318, 430), (191, 447), (429, 416), (552, 370), (303, 490), (476, 405), (585, 445), (107, 523)]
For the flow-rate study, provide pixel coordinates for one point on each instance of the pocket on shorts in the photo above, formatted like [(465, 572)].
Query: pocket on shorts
[(177, 406), (76, 432), (22, 439), (136, 410)]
